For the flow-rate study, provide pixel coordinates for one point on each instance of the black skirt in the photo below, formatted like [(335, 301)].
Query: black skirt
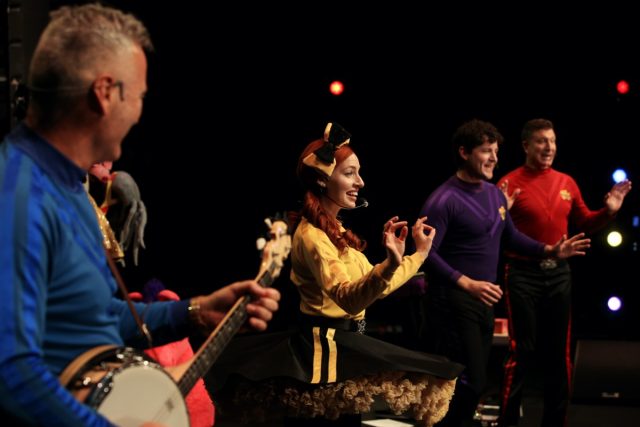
[(323, 367)]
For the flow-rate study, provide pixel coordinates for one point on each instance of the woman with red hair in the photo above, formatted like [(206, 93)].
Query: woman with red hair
[(326, 367)]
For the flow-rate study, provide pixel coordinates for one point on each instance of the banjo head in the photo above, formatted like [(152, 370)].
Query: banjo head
[(130, 388)]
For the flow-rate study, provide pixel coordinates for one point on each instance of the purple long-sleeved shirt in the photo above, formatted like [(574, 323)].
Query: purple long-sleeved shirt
[(471, 222)]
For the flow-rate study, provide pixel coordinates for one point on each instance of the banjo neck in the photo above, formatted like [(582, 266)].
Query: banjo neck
[(187, 374), (115, 380), (275, 252)]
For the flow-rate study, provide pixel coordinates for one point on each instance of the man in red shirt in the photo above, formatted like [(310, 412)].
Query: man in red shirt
[(542, 204)]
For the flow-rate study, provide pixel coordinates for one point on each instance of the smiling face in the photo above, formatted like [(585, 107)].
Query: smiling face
[(540, 149), (479, 163), (133, 91), (342, 186), (127, 84)]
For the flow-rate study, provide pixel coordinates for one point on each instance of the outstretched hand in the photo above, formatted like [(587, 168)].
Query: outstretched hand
[(566, 248), (393, 242), (260, 310), (614, 198), (511, 198), (423, 235)]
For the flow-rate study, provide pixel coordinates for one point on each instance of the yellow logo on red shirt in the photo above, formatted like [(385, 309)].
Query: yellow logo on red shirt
[(565, 195), (503, 212)]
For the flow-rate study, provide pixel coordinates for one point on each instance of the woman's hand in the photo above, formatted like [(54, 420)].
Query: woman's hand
[(393, 242), (423, 235)]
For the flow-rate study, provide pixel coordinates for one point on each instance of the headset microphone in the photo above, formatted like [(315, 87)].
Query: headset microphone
[(363, 203)]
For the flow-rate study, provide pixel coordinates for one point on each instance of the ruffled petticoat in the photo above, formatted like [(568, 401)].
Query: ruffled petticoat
[(324, 371)]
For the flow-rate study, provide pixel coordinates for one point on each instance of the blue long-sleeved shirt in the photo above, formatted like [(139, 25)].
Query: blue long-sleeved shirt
[(58, 294), (471, 222)]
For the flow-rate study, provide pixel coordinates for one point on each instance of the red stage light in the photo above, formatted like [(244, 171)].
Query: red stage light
[(622, 87), (336, 88)]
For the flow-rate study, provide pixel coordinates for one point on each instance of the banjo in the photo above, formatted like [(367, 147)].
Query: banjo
[(130, 388)]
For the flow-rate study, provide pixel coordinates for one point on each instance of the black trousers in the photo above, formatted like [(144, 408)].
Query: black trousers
[(460, 327), (538, 301)]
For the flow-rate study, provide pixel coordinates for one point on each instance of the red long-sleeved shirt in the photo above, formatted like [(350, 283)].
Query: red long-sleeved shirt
[(549, 200)]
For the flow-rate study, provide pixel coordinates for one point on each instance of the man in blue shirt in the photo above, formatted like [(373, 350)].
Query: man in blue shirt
[(87, 81)]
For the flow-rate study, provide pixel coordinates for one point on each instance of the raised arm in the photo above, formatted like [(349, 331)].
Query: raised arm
[(614, 198)]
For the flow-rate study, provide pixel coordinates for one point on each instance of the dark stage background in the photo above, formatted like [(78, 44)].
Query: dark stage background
[(235, 94)]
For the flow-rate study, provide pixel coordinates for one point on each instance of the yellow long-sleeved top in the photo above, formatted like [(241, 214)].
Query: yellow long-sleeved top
[(340, 285)]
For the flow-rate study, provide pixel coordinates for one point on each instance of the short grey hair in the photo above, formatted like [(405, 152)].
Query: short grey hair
[(78, 40)]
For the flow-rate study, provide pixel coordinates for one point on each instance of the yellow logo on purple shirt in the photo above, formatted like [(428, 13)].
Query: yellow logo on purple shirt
[(565, 195), (503, 212)]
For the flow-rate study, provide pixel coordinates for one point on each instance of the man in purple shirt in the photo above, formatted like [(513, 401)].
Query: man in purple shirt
[(472, 222)]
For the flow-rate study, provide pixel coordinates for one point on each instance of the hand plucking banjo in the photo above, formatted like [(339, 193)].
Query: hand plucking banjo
[(129, 388)]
